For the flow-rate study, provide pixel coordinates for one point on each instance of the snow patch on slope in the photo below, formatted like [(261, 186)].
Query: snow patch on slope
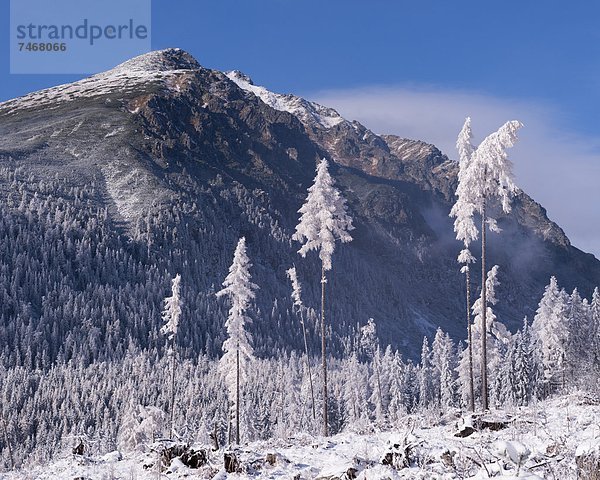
[(131, 189), (309, 113)]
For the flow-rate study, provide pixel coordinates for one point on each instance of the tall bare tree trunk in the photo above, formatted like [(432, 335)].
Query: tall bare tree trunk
[(237, 397), (323, 353), (229, 425), (312, 393), (173, 358), (471, 387), (484, 376)]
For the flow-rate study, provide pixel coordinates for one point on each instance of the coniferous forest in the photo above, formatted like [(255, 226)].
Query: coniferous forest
[(102, 373)]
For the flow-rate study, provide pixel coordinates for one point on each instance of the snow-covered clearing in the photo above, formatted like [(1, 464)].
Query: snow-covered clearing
[(539, 441)]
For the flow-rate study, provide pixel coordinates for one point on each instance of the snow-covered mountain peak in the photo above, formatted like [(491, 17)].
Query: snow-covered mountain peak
[(141, 73), (158, 61), (311, 114)]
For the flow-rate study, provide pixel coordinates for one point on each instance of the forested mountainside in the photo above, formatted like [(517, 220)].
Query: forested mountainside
[(111, 185)]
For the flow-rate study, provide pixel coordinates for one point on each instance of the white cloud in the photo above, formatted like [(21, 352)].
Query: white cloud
[(559, 169)]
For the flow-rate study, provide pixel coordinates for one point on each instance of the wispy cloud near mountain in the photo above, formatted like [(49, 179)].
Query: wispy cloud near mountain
[(558, 168)]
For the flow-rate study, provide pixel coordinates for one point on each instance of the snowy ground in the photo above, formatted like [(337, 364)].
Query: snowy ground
[(543, 438)]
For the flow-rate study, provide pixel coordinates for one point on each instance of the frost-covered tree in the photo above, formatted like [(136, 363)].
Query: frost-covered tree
[(323, 221), (594, 347), (297, 298), (513, 374), (381, 384), (579, 334), (491, 282), (402, 389), (171, 315), (411, 391), (296, 287), (370, 346), (520, 373), (355, 391), (496, 333), (237, 348), (487, 177), (140, 427), (533, 361), (442, 361), (425, 376), (466, 231), (595, 328), (550, 332)]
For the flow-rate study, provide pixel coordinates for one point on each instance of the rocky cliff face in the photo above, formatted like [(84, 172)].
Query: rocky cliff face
[(179, 161)]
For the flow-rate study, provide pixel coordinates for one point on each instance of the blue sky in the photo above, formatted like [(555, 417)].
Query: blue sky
[(416, 69)]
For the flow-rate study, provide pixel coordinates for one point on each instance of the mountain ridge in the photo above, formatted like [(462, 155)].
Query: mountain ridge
[(183, 161)]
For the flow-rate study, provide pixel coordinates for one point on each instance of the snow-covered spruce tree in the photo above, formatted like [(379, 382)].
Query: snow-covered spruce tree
[(579, 338), (595, 320), (425, 376), (442, 359), (387, 368), (139, 427), (237, 347), (297, 297), (409, 380), (323, 220), (595, 327), (520, 369), (520, 373), (399, 399), (485, 178), (497, 335), (513, 374), (370, 347), (170, 315), (355, 392), (533, 359), (551, 335), (466, 231)]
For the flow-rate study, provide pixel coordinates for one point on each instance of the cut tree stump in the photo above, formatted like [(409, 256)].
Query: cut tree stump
[(232, 464), (79, 449)]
